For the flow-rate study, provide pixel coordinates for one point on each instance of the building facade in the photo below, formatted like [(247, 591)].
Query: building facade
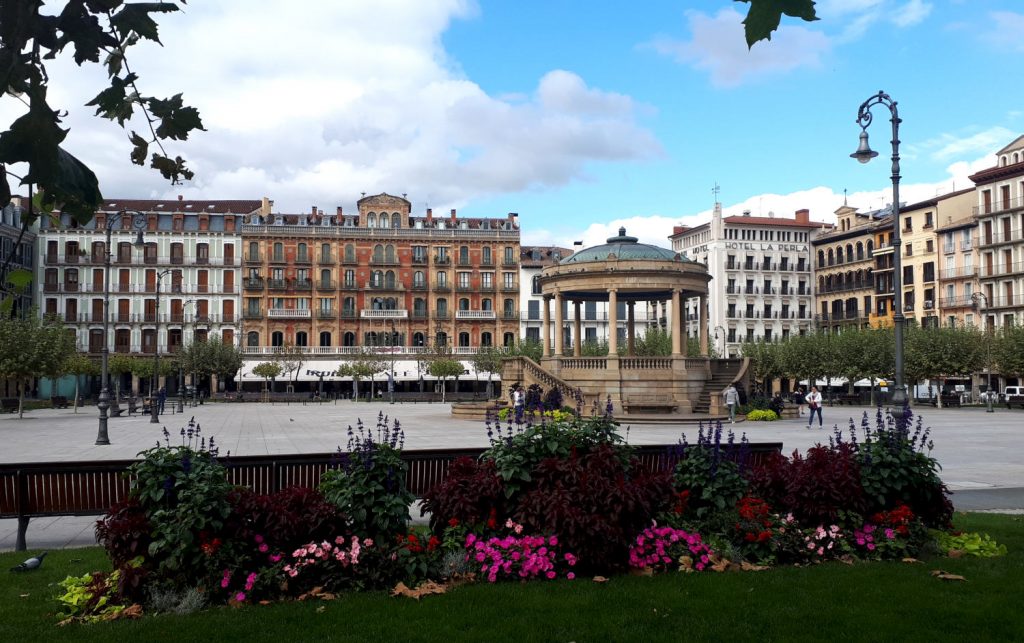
[(19, 245), (331, 284), (999, 210), (181, 284), (843, 269), (763, 286)]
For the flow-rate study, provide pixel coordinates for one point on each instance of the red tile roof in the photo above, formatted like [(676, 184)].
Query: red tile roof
[(182, 205), (777, 221)]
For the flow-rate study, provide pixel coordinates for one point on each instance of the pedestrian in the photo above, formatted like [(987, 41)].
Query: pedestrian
[(814, 405), (517, 402), (800, 399), (161, 396), (732, 400)]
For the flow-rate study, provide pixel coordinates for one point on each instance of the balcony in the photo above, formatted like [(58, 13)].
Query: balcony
[(302, 284), (441, 315), (177, 260), (958, 273), (51, 287), (253, 283), (419, 260), (52, 259), (510, 316), (252, 314), (348, 313), (510, 287), (288, 313), (372, 313), (442, 261), (475, 314), (464, 288), (277, 258), (70, 286), (326, 314), (325, 284), (348, 284), (419, 285), (442, 288), (999, 206), (509, 263), (997, 237), (419, 313), (384, 287), (253, 258), (487, 287), (304, 259), (1007, 270), (277, 284), (349, 261), (956, 302)]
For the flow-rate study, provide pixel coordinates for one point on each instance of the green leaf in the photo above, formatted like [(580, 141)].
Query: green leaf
[(20, 278), (113, 103), (764, 16), (134, 18)]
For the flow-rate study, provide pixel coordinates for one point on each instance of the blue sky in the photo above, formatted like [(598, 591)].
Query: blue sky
[(581, 116)]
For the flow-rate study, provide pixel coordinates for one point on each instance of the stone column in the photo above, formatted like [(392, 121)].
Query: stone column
[(704, 320), (545, 329), (577, 347), (559, 326), (613, 322), (675, 325), (630, 329)]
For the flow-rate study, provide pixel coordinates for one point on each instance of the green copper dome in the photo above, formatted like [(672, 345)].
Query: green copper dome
[(624, 248)]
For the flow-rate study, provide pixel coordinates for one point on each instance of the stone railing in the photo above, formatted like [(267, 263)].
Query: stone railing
[(645, 363), (592, 363)]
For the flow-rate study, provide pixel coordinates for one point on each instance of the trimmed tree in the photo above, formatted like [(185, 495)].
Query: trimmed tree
[(488, 360), (30, 348), (445, 368), (268, 371), (78, 365)]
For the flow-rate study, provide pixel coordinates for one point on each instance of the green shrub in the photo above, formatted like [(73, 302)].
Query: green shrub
[(713, 481), (369, 485), (759, 415), (89, 598), (972, 544)]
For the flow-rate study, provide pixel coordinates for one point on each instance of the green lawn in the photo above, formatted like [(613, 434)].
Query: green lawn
[(865, 602)]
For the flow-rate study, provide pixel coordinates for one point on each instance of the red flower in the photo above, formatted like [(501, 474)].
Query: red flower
[(763, 536), (433, 543), (750, 537), (453, 522), (492, 522)]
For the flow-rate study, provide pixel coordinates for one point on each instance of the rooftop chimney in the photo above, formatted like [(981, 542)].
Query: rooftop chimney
[(803, 216), (339, 212), (453, 214), (314, 211), (430, 215)]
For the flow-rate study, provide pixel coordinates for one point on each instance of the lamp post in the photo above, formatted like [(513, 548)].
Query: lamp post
[(154, 404), (139, 224), (391, 376), (864, 154), (723, 336), (988, 351), (181, 365)]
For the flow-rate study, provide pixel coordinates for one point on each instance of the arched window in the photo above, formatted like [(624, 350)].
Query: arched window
[(849, 252), (303, 253), (821, 284), (839, 254), (278, 251), (350, 252), (486, 304), (371, 220), (418, 280), (441, 339), (860, 250), (377, 278), (378, 253), (442, 307), (417, 339), (385, 221), (821, 259), (325, 252), (871, 248), (252, 338), (485, 256), (419, 307), (348, 307), (396, 220), (389, 253), (378, 303), (254, 250), (349, 339), (390, 303), (301, 338), (325, 277), (509, 308), (509, 339), (464, 339), (325, 338), (536, 284), (371, 338), (277, 338), (831, 257), (463, 303), (485, 339), (389, 279)]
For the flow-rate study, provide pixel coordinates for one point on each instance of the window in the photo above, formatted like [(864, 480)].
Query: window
[(350, 252), (277, 338), (536, 285), (533, 309), (418, 280), (442, 279), (927, 219), (908, 225), (463, 303), (463, 280), (509, 280), (485, 256), (487, 279), (510, 258), (910, 249), (252, 338), (325, 338)]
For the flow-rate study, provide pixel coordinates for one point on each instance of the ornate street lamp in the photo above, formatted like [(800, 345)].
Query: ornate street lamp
[(391, 375), (864, 154), (154, 404), (181, 365), (139, 223)]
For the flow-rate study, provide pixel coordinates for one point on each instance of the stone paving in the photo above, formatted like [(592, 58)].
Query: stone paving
[(982, 454)]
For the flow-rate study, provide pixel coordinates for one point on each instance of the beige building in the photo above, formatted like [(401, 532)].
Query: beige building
[(920, 260), (1000, 214), (958, 261), (844, 270)]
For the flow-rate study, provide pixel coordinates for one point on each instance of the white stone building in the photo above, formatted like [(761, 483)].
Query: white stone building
[(762, 286)]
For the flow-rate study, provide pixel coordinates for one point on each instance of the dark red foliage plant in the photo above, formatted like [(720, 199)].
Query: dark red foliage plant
[(286, 519), (471, 493), (594, 503), (124, 532), (815, 488)]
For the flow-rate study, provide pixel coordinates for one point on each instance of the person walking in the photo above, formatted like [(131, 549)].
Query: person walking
[(800, 399), (161, 397), (732, 400), (814, 405), (517, 402)]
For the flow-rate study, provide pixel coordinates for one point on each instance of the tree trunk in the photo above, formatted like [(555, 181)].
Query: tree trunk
[(443, 387), (76, 394), (21, 400)]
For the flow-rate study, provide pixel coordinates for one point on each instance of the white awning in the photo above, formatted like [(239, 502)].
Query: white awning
[(406, 370)]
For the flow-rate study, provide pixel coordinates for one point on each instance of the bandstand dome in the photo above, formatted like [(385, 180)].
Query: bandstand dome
[(624, 248)]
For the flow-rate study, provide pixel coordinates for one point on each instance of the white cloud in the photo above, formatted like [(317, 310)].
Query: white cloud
[(321, 104), (947, 146), (911, 13), (1006, 30), (717, 46)]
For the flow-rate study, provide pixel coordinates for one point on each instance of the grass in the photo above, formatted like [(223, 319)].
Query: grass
[(869, 601)]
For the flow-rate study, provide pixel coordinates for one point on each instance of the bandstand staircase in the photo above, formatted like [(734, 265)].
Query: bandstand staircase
[(723, 373), (525, 371)]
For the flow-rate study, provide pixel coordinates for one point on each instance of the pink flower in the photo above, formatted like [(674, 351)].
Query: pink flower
[(550, 575), (224, 583), (258, 538), (821, 551), (871, 547), (293, 573), (240, 596), (368, 542), (263, 548), (570, 576), (890, 533), (275, 558)]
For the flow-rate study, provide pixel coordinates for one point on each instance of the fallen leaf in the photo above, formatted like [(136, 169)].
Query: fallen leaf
[(721, 565), (23, 595), (955, 553), (320, 610), (910, 560), (600, 579), (751, 567), (646, 571), (943, 575), (423, 589), (264, 602), (130, 612), (846, 559)]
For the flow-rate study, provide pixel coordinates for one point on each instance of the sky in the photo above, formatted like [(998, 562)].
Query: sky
[(579, 116)]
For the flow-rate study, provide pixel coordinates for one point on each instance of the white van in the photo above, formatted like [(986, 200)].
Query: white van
[(1014, 396)]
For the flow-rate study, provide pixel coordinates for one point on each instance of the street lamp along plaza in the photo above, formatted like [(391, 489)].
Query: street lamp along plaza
[(988, 351), (139, 223), (864, 154), (181, 365), (154, 403)]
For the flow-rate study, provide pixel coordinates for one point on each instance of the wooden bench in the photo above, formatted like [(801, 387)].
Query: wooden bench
[(952, 399), (37, 489), (9, 405), (59, 402), (847, 398), (649, 403)]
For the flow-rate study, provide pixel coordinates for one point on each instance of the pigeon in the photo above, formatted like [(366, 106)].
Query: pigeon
[(32, 563)]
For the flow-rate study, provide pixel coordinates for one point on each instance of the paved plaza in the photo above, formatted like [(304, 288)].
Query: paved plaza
[(982, 454)]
